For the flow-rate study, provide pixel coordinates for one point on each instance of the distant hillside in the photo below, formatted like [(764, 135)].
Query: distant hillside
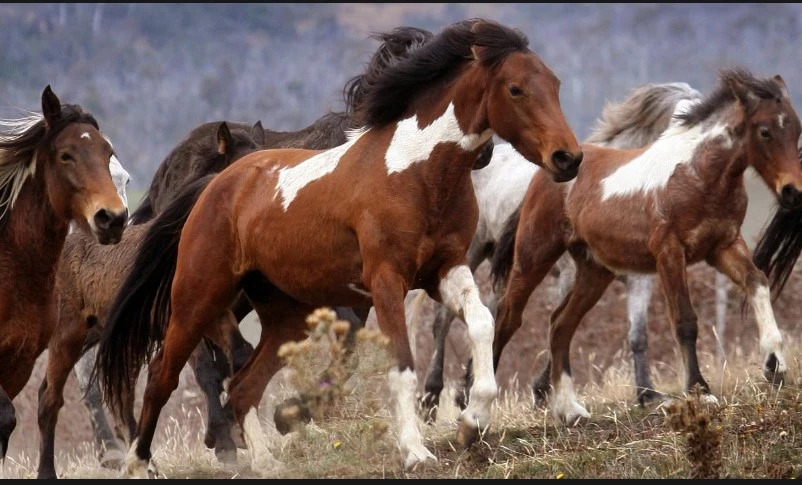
[(151, 72)]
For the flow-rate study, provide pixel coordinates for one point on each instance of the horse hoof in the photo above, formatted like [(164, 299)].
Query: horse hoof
[(112, 459), (541, 395), (427, 409), (237, 437), (772, 371), (290, 415), (574, 416), (467, 434), (647, 396), (418, 457), (209, 441), (226, 456)]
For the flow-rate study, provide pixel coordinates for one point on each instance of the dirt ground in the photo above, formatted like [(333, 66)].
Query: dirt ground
[(600, 341)]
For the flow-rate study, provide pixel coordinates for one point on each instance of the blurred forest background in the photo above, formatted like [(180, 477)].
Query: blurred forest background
[(152, 72)]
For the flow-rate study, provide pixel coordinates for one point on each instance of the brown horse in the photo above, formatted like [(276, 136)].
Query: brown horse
[(54, 170), (292, 229), (200, 153), (658, 209), (88, 277)]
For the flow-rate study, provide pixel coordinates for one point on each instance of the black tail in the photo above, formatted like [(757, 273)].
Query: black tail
[(143, 213), (779, 247), (501, 263), (140, 313)]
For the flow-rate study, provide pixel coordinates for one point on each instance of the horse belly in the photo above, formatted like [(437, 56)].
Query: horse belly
[(317, 271)]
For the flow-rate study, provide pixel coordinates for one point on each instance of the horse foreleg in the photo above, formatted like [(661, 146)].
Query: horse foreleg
[(591, 282), (735, 261), (460, 294), (639, 294), (110, 453), (64, 350), (671, 266)]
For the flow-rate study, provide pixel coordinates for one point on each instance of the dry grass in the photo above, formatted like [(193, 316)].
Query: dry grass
[(754, 431)]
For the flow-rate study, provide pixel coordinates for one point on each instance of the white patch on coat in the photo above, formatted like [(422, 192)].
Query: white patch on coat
[(654, 167), (781, 120), (293, 179), (411, 144), (86, 135), (770, 338)]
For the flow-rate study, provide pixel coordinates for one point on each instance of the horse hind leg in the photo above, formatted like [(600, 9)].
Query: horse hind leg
[(196, 308), (283, 320), (591, 282), (110, 452), (8, 421)]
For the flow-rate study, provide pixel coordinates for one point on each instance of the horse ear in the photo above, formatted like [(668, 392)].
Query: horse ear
[(223, 138), (741, 92), (783, 88), (51, 106), (258, 133)]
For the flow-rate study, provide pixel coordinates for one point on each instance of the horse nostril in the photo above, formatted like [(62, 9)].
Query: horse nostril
[(105, 219), (790, 196), (565, 160)]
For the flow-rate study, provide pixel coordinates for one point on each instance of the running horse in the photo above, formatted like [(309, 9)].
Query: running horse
[(407, 225), (54, 170), (658, 209)]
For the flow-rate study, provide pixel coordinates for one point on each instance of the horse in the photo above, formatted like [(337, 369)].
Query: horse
[(87, 278), (200, 153), (656, 210), (424, 121), (54, 170), (636, 121)]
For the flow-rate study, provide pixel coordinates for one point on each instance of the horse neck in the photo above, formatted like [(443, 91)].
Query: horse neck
[(723, 168), (35, 230)]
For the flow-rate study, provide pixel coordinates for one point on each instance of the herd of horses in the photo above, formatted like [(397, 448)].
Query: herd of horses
[(240, 218)]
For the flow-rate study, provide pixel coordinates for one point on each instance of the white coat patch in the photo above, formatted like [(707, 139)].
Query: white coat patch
[(411, 144), (293, 179), (86, 135)]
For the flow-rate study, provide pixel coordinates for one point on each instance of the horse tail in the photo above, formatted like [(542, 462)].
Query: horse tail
[(139, 315), (143, 213), (641, 118), (779, 246), (501, 262)]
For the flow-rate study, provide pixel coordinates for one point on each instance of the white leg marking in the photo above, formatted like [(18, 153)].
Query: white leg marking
[(410, 442), (261, 458), (770, 338), (639, 294), (135, 467), (460, 294), (565, 406)]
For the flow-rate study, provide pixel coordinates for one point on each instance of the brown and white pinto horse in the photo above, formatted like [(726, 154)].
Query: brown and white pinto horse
[(676, 202), (54, 170), (293, 229)]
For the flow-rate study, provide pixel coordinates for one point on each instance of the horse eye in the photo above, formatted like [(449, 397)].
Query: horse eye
[(515, 91), (765, 134), (65, 157)]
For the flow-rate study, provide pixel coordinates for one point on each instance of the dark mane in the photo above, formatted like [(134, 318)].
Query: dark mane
[(389, 92), (20, 144), (393, 45), (764, 88)]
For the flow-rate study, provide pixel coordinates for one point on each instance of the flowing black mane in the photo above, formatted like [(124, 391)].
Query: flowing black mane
[(388, 93), (20, 144), (764, 88)]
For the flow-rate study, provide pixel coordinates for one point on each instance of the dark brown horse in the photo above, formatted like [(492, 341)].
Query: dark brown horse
[(658, 209), (88, 277), (293, 230), (54, 170)]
